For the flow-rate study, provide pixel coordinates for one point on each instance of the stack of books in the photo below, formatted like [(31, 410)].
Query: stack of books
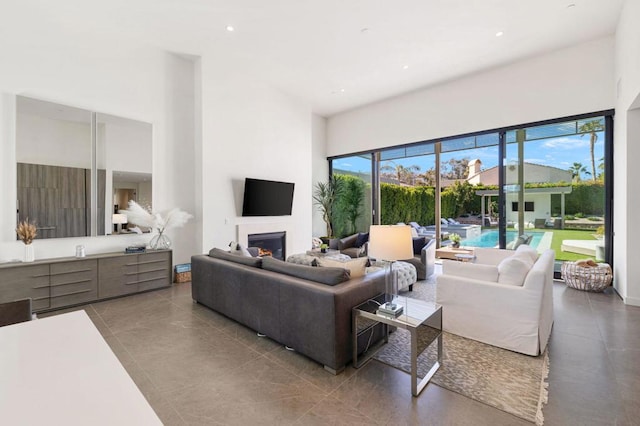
[(135, 249)]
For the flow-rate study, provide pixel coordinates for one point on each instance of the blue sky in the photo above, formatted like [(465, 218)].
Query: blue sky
[(560, 152)]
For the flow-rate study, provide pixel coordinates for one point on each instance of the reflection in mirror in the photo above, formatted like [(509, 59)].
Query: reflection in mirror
[(53, 152), (55, 145), (124, 155)]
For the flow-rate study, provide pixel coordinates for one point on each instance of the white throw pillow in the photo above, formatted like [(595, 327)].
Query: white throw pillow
[(529, 251), (356, 267), (513, 270), (239, 249)]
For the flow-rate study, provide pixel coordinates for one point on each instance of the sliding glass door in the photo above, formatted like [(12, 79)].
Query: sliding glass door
[(545, 185)]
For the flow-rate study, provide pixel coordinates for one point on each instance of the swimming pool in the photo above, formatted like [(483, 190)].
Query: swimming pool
[(489, 238)]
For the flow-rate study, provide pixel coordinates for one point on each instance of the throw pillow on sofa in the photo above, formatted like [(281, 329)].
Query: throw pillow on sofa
[(362, 238), (513, 270), (329, 276), (244, 260), (237, 248), (356, 267), (529, 251), (418, 244)]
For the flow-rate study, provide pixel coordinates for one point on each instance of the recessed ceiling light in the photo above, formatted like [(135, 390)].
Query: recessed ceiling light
[(405, 67), (499, 34), (341, 90), (230, 28)]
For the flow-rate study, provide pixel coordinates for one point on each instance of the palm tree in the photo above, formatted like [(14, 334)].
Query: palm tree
[(402, 174), (591, 127), (576, 170)]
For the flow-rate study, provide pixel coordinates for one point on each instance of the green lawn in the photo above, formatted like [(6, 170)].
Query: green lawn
[(559, 235)]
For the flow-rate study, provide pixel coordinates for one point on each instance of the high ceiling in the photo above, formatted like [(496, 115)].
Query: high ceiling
[(334, 54)]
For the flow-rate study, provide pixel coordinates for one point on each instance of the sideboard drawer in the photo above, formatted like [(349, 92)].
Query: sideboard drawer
[(20, 282), (74, 282), (117, 276)]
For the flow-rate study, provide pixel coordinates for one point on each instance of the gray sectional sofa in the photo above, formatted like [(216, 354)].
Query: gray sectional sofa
[(286, 302)]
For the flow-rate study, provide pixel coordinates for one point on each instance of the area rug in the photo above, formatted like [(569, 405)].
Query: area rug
[(506, 380)]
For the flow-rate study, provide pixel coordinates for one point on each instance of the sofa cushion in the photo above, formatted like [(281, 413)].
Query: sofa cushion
[(356, 267), (513, 270), (418, 244), (529, 251), (237, 248), (329, 276), (362, 238), (225, 255)]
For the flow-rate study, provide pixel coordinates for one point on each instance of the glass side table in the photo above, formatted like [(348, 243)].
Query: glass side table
[(422, 319)]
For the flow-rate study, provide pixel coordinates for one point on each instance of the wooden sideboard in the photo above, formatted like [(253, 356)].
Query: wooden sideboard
[(62, 282)]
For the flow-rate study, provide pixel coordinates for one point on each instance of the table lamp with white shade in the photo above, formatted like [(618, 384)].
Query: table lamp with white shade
[(390, 243)]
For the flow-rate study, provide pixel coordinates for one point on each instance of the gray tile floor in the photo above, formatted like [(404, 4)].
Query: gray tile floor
[(197, 367)]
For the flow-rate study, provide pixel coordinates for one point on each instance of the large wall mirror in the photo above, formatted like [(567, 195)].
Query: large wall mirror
[(77, 168)]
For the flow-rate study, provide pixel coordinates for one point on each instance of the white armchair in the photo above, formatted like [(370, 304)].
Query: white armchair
[(495, 302)]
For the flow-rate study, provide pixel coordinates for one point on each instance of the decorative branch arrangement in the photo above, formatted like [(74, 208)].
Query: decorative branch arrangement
[(159, 221), (26, 231)]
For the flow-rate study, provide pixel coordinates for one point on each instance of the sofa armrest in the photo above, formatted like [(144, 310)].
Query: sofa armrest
[(428, 252), (470, 270), (347, 242)]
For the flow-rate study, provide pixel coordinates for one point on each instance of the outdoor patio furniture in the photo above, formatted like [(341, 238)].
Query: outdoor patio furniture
[(587, 278)]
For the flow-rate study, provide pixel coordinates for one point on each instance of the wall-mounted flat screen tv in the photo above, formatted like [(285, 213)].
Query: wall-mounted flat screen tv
[(267, 198)]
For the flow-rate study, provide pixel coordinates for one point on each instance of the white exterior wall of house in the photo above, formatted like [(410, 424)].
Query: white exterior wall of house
[(542, 207)]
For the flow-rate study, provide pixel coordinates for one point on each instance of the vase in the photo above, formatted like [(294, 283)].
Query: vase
[(29, 254), (160, 242), (455, 245)]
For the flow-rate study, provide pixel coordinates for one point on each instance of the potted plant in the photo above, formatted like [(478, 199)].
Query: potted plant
[(455, 240), (325, 195), (27, 232), (323, 248)]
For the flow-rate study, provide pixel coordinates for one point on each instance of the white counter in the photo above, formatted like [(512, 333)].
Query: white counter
[(59, 370)]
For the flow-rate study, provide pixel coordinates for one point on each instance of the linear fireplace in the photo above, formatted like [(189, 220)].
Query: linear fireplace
[(270, 244)]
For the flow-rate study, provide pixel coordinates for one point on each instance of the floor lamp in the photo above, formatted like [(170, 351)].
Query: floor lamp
[(390, 243)]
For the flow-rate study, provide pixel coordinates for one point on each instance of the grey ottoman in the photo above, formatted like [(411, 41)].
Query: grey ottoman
[(407, 274)]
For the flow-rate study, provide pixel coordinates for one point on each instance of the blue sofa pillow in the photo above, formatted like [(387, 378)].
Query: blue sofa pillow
[(362, 239), (418, 244)]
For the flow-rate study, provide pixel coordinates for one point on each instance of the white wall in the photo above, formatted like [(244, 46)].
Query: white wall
[(129, 81), (53, 142), (570, 81), (251, 130), (626, 152), (320, 167)]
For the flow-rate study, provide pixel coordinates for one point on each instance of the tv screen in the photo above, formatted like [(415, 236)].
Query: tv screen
[(267, 198)]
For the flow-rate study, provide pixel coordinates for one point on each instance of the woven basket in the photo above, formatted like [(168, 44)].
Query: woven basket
[(588, 278), (183, 277)]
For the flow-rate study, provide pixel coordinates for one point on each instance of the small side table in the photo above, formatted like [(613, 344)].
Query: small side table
[(422, 319), (465, 257)]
